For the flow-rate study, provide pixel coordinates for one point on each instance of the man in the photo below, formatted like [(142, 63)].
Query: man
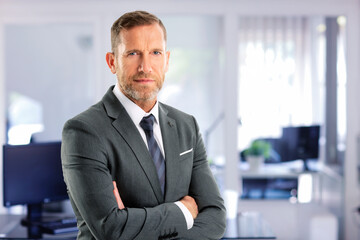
[(153, 153)]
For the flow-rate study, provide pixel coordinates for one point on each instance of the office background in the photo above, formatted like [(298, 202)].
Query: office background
[(52, 62)]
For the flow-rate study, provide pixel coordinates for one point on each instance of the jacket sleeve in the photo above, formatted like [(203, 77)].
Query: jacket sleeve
[(211, 220), (89, 182)]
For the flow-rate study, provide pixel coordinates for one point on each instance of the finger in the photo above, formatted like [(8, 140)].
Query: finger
[(117, 196)]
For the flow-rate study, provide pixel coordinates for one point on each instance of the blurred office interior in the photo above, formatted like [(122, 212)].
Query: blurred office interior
[(246, 70)]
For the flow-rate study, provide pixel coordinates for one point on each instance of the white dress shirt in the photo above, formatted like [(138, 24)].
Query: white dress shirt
[(136, 114)]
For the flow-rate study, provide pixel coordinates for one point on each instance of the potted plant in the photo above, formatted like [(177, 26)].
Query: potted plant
[(257, 152)]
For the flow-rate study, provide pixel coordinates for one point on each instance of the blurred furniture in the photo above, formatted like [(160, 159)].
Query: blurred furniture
[(11, 228), (281, 180), (248, 225)]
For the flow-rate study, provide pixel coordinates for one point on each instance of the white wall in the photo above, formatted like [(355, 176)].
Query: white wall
[(2, 103), (352, 158), (51, 65)]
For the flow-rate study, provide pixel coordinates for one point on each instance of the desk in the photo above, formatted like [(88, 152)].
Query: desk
[(248, 225), (11, 228), (286, 177)]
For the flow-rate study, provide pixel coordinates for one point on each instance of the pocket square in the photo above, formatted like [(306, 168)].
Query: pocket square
[(190, 150)]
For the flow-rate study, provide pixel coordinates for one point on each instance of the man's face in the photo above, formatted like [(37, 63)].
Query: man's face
[(141, 62)]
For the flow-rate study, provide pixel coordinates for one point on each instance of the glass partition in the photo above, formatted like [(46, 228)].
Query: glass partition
[(193, 83), (49, 78), (291, 70)]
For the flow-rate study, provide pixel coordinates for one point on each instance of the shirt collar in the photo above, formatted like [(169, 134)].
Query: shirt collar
[(135, 112)]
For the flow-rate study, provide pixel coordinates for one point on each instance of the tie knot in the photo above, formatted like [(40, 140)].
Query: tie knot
[(147, 123)]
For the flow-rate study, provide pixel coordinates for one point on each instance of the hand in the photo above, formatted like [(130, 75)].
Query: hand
[(117, 196), (191, 205)]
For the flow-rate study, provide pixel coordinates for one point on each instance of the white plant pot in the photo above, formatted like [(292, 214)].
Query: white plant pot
[(255, 162)]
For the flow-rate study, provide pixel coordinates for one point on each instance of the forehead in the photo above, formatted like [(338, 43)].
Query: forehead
[(146, 34)]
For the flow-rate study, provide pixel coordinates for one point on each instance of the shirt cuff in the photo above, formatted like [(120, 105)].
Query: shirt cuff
[(188, 217)]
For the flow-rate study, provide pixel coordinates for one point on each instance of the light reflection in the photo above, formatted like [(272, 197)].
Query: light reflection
[(305, 188), (21, 134), (25, 117)]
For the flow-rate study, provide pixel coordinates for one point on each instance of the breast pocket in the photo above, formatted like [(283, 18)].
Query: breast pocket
[(186, 160), (187, 153)]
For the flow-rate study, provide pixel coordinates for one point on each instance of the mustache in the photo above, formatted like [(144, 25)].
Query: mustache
[(143, 75)]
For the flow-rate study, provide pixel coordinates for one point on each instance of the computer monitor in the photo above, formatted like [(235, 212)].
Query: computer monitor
[(276, 150), (301, 142), (32, 175)]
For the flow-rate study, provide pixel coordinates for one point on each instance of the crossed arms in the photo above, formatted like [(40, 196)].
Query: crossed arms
[(102, 216), (188, 202)]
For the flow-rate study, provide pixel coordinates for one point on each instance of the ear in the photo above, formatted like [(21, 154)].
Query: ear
[(167, 61), (110, 60)]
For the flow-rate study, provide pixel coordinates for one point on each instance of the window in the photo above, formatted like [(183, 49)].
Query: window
[(277, 82), (49, 73), (282, 82), (193, 83)]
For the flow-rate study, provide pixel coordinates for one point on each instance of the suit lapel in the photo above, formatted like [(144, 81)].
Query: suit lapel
[(171, 147), (126, 128)]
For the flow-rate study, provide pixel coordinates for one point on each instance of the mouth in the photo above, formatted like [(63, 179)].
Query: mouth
[(144, 80)]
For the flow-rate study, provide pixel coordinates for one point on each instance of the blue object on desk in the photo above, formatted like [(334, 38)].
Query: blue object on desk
[(32, 175)]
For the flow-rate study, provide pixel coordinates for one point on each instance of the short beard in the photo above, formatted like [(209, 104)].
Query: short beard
[(138, 95)]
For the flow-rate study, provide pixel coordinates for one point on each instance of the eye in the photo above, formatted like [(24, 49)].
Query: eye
[(132, 54), (157, 53)]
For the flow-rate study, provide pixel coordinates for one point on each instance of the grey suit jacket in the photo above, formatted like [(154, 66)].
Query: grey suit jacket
[(102, 145)]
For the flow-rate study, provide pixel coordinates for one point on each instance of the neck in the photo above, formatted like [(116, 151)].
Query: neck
[(145, 105)]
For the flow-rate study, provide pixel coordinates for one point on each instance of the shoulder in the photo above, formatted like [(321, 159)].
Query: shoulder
[(92, 118), (106, 109), (183, 120), (175, 113), (91, 114), (171, 111)]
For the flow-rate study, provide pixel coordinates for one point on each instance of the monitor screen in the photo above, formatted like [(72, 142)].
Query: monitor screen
[(32, 174), (301, 142)]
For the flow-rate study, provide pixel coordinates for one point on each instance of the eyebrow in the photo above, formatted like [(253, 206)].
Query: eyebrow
[(131, 50), (158, 50), (137, 50)]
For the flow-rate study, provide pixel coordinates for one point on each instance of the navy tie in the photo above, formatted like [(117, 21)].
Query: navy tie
[(154, 149)]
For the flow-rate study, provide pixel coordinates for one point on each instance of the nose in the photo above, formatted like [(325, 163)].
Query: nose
[(145, 64)]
